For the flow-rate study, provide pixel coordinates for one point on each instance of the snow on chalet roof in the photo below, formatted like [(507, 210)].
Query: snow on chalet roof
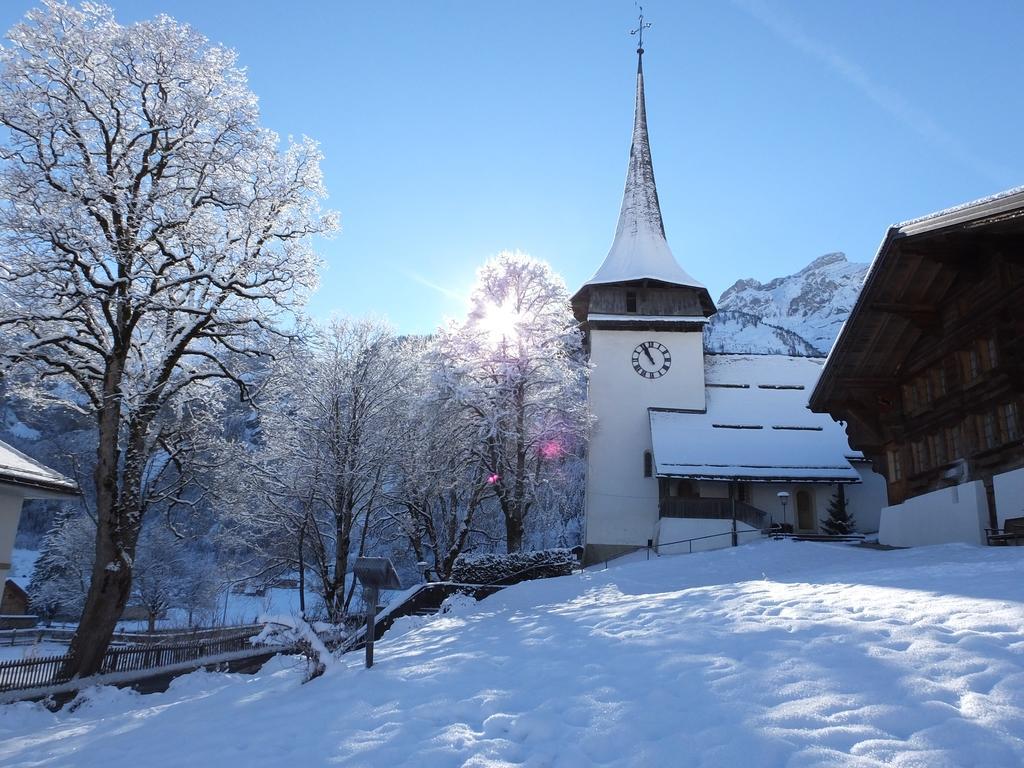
[(757, 426), (31, 477), (640, 250)]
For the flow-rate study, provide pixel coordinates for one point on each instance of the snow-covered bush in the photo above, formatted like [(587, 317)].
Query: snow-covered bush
[(293, 630), (514, 567)]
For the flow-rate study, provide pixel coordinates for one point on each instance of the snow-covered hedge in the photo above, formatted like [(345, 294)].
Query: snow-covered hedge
[(513, 568)]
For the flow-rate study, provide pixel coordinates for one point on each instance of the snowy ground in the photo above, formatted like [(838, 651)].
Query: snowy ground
[(774, 654)]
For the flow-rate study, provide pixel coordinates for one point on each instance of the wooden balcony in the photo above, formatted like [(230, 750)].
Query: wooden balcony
[(713, 509)]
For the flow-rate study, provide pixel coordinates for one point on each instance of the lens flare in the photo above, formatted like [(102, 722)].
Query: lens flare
[(551, 449), (500, 323)]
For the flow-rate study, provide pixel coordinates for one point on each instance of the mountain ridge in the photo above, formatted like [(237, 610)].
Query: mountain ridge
[(798, 314)]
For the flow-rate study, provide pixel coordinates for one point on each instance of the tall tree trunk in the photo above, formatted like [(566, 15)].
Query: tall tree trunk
[(513, 533), (111, 582)]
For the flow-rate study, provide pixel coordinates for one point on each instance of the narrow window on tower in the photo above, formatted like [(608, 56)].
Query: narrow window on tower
[(648, 464), (631, 301)]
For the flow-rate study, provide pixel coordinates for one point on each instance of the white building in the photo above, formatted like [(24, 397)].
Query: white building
[(678, 437), (24, 478)]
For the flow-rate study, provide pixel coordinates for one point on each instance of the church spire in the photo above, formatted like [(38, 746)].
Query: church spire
[(640, 209), (640, 250)]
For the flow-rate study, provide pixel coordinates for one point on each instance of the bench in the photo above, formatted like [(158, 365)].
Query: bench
[(1012, 532)]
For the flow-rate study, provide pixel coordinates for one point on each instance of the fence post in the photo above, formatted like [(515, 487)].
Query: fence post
[(734, 541)]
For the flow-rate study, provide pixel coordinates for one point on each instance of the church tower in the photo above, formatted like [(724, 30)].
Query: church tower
[(643, 317)]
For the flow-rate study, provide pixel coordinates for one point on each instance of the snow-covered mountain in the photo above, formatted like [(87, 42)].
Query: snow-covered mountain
[(796, 315)]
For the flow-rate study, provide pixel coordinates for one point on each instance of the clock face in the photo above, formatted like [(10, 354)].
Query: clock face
[(651, 359)]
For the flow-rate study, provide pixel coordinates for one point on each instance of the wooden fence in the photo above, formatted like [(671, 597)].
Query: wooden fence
[(22, 674), (33, 635)]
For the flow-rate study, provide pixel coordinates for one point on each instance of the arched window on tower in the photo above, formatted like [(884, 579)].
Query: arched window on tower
[(648, 464)]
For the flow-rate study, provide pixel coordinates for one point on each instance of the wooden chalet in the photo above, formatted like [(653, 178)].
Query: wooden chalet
[(928, 372)]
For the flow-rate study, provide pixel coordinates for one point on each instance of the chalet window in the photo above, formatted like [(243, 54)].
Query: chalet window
[(954, 446), (917, 456), (937, 447), (648, 464), (1009, 423), (973, 364), (971, 431), (631, 301), (993, 353), (909, 397), (987, 430), (895, 466)]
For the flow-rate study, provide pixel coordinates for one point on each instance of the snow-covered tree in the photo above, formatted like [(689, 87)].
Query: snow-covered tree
[(439, 490), (160, 563), (330, 427), (514, 367), (60, 578), (150, 226), (199, 587)]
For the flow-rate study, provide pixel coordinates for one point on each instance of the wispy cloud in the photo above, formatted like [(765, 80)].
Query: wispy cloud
[(884, 97), (442, 289)]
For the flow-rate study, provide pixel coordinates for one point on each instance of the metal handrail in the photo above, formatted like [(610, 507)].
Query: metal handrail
[(695, 538)]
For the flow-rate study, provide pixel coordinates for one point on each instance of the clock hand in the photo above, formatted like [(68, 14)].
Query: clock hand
[(648, 353)]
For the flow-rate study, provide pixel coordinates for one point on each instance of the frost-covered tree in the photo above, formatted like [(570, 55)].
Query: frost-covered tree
[(439, 491), (330, 427), (160, 564), (514, 368), (150, 226), (60, 578)]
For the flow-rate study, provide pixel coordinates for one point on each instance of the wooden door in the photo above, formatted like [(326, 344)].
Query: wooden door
[(804, 511)]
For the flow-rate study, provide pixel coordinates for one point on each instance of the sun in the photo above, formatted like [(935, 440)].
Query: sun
[(500, 322)]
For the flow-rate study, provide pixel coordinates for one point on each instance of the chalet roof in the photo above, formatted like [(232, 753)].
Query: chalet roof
[(640, 250), (756, 426), (33, 479), (902, 289)]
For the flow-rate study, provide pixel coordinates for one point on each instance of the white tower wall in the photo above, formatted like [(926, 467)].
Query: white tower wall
[(622, 504)]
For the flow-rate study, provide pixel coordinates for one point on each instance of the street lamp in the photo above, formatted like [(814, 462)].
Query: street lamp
[(784, 500)]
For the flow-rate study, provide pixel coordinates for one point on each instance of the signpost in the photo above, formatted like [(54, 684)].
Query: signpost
[(375, 574)]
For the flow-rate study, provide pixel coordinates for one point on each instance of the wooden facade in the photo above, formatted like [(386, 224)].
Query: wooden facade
[(928, 372)]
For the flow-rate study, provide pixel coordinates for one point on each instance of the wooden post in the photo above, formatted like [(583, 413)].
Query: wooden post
[(371, 622), (734, 537)]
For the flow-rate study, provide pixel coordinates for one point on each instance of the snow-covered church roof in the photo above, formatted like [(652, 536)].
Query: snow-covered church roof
[(640, 250), (756, 427), (32, 479)]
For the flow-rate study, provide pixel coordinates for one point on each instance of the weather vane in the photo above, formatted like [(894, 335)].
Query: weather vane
[(640, 31)]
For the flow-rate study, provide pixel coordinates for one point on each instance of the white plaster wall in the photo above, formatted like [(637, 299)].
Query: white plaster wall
[(1009, 488), (952, 514), (865, 499), (710, 489), (10, 512), (678, 529), (765, 496), (621, 504)]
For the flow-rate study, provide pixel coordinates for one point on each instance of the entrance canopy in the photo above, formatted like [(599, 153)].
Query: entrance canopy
[(756, 427)]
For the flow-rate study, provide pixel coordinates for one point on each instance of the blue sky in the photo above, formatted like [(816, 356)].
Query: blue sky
[(780, 130)]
